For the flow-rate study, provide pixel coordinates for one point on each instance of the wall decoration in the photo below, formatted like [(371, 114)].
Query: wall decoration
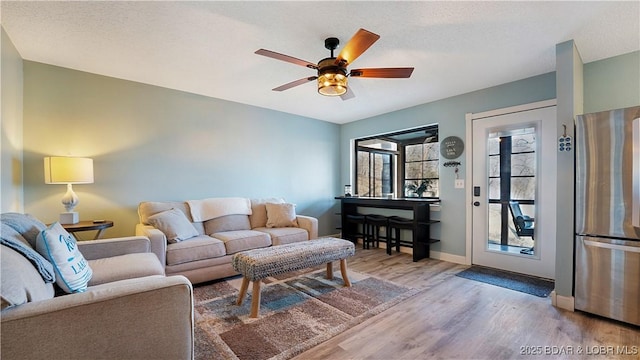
[(451, 147)]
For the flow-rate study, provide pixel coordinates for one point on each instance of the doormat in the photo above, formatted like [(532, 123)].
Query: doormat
[(509, 280)]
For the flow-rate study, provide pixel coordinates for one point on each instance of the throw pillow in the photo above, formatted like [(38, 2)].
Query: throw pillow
[(227, 223), (258, 217), (59, 247), (174, 224), (281, 215)]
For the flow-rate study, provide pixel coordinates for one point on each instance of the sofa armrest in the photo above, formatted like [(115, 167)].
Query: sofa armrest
[(143, 318), (99, 249), (310, 224), (158, 241)]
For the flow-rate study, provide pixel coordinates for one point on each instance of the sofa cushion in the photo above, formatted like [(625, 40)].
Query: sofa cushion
[(281, 236), (59, 247), (123, 267), (148, 208), (240, 240), (258, 217), (227, 223), (21, 282), (197, 248), (174, 224), (281, 215)]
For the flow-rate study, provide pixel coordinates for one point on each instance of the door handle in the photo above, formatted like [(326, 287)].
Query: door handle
[(476, 203), (612, 246)]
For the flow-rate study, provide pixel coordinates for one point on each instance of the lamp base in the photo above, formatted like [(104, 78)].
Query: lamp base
[(69, 218)]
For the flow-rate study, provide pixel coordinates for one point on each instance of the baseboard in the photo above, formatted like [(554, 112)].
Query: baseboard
[(562, 302), (437, 255), (457, 259)]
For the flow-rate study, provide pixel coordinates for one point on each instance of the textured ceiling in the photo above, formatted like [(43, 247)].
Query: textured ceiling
[(207, 47)]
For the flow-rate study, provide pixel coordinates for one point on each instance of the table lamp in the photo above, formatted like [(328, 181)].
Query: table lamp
[(68, 170)]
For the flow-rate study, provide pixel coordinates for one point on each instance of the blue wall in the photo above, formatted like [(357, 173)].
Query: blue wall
[(612, 83), (449, 114), (153, 143)]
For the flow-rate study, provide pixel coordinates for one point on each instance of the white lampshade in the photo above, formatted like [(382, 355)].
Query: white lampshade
[(68, 170)]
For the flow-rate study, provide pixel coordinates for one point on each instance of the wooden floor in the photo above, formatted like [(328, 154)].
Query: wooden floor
[(456, 318)]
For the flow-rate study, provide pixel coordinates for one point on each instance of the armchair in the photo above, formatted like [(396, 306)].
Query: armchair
[(129, 310), (524, 224)]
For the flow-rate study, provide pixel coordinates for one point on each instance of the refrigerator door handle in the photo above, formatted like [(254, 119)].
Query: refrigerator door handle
[(635, 197), (612, 246)]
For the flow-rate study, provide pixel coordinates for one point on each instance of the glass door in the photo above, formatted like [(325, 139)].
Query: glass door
[(514, 167), (512, 190)]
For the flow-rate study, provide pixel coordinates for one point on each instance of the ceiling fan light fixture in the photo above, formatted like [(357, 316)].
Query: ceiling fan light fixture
[(332, 79), (332, 84)]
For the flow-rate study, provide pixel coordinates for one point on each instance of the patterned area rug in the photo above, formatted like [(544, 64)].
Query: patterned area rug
[(523, 283), (298, 311)]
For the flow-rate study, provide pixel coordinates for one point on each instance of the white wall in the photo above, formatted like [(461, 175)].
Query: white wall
[(569, 69)]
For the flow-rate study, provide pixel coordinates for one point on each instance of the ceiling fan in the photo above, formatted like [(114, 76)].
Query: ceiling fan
[(332, 71)]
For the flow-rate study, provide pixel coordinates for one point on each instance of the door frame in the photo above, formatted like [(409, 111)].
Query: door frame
[(469, 118)]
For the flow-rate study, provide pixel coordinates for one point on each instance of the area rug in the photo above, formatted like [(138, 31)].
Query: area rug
[(506, 279), (298, 311)]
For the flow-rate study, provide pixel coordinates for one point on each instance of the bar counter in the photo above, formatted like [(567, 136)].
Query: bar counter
[(421, 208)]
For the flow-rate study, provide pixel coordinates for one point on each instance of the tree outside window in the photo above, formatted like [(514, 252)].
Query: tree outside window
[(421, 170), (515, 163), (374, 173)]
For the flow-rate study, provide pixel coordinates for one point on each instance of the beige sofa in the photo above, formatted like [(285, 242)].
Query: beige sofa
[(130, 309), (233, 225)]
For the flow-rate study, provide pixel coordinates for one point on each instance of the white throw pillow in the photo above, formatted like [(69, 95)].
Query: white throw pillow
[(174, 224), (59, 247), (281, 215)]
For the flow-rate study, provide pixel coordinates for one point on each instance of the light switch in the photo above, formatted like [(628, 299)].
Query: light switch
[(459, 184)]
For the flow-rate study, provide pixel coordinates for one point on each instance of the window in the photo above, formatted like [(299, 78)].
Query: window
[(512, 177), (421, 169), (374, 169), (404, 163), (513, 156)]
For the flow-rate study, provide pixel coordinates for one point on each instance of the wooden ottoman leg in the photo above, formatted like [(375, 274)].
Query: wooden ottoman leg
[(343, 270), (330, 270), (255, 301), (243, 291)]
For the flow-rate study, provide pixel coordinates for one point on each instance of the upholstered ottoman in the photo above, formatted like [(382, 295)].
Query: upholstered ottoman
[(257, 264)]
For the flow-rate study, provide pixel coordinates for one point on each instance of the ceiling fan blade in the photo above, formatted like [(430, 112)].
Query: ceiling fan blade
[(348, 95), (358, 44), (382, 72), (287, 58), (295, 83)]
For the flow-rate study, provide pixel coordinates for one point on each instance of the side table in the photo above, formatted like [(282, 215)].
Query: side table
[(87, 226)]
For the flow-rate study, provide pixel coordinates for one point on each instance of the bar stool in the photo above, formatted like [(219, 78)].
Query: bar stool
[(374, 223), (359, 223), (396, 223)]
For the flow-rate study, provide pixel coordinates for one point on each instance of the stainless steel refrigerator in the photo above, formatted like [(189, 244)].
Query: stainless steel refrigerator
[(607, 267)]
